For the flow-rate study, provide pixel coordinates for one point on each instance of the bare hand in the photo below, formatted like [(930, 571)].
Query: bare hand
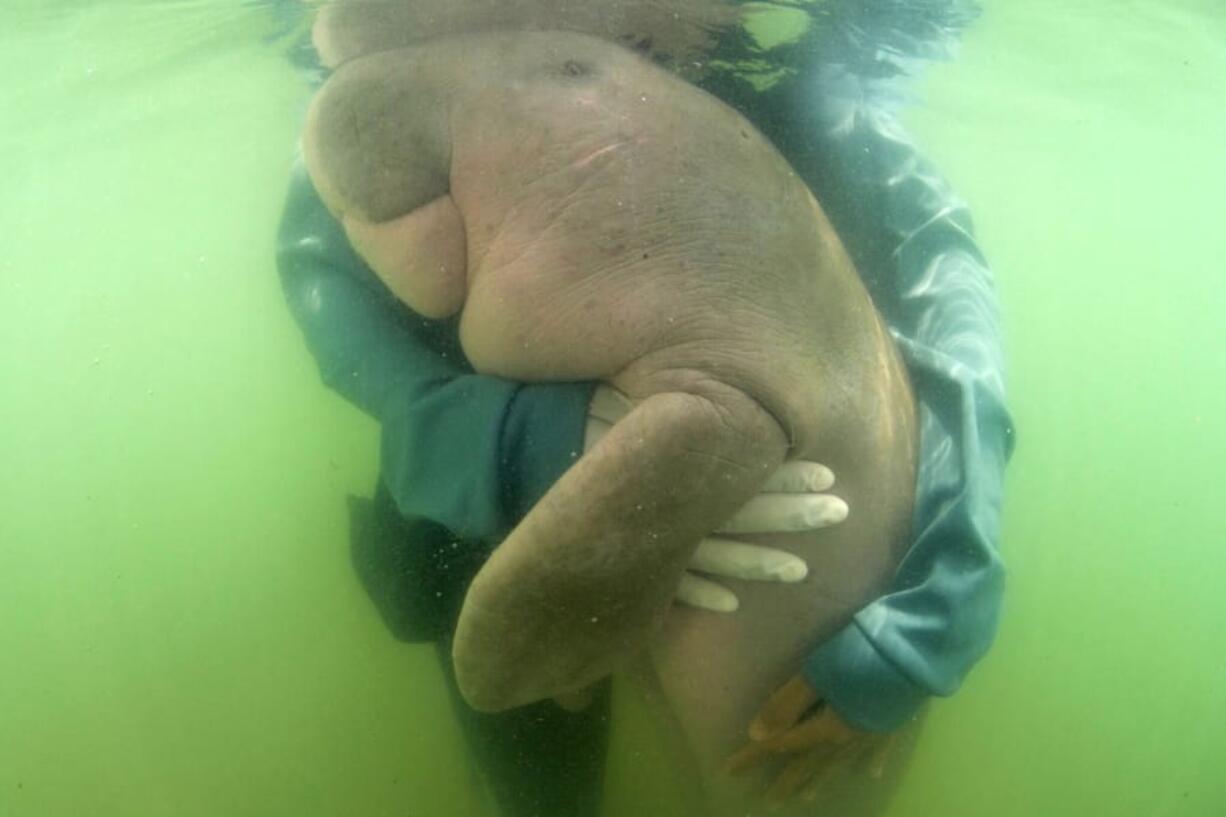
[(811, 743)]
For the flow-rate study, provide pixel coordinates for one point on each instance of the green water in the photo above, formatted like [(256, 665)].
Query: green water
[(182, 634)]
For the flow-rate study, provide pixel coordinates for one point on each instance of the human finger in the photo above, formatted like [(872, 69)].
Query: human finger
[(842, 759), (747, 757), (809, 733), (818, 733), (609, 404), (782, 513), (799, 476), (740, 560), (880, 756), (593, 431), (705, 594), (789, 782), (783, 709)]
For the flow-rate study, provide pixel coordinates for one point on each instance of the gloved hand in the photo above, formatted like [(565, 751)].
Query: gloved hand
[(813, 742), (791, 500)]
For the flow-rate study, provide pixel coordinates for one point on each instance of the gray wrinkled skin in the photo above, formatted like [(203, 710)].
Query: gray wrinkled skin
[(620, 225)]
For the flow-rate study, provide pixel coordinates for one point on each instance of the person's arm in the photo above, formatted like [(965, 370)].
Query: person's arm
[(911, 238), (831, 115), (470, 452)]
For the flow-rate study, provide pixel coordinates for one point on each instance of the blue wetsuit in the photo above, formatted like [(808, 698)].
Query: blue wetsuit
[(465, 456)]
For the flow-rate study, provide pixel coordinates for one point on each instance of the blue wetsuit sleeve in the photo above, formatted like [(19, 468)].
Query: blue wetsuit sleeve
[(912, 240), (470, 452)]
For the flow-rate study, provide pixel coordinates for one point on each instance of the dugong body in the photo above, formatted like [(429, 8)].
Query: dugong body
[(592, 217)]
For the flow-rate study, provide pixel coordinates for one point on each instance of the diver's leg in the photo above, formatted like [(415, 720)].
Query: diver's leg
[(415, 571), (538, 760), (580, 584)]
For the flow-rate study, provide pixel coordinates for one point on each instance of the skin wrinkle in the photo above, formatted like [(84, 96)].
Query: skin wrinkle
[(719, 316), (519, 247), (696, 381), (646, 235)]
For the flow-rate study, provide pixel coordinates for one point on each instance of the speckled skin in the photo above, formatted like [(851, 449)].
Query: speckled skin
[(592, 217)]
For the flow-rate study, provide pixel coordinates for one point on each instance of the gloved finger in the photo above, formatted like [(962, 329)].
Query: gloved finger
[(609, 404), (783, 709), (593, 431), (740, 560), (798, 477), (783, 513), (707, 595)]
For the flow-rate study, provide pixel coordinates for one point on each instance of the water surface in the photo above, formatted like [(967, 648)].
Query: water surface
[(182, 633)]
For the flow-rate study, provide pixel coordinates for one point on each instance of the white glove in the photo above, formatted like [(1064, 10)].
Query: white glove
[(791, 500)]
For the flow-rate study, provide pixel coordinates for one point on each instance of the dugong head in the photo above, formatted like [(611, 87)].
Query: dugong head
[(675, 32)]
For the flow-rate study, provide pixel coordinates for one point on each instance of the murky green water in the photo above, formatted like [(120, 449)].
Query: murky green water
[(182, 634)]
